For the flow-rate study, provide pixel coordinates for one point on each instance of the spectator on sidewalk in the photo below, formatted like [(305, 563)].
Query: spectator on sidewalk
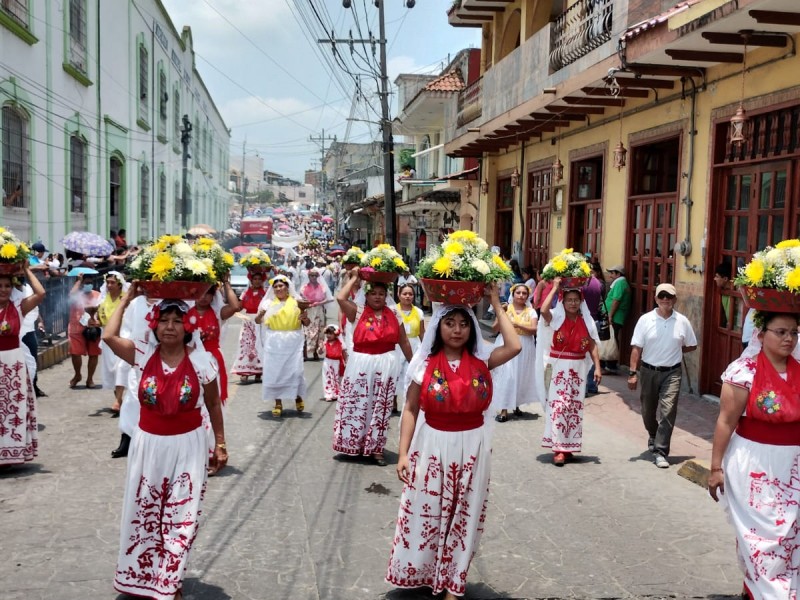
[(722, 282), (618, 305), (593, 296), (37, 260), (120, 241), (660, 339)]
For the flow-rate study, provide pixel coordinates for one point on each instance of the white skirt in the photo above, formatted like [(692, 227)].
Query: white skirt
[(129, 411), (762, 501), (563, 423), (331, 378), (283, 378), (401, 377), (165, 484), (365, 402), (442, 509), (514, 382), (248, 357), (108, 366), (19, 432)]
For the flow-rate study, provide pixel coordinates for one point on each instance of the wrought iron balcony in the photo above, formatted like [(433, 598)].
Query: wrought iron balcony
[(584, 26), (470, 103)]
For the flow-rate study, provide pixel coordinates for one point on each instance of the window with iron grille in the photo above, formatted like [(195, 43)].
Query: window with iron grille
[(144, 192), (77, 34), (176, 116), (177, 213), (15, 157), (77, 174), (162, 199), (163, 98), (197, 132), (17, 9), (205, 148), (144, 75), (115, 186)]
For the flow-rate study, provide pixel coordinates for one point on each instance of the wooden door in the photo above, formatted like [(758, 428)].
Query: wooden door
[(586, 206), (537, 234), (504, 218)]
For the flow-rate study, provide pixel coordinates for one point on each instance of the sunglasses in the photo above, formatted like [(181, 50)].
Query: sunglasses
[(665, 296)]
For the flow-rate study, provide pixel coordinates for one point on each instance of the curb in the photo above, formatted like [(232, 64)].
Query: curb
[(52, 355), (696, 471)]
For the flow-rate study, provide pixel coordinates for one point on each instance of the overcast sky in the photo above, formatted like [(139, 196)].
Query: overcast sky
[(270, 81)]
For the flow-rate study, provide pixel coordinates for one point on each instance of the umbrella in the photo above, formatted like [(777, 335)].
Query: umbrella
[(201, 229), (81, 271), (327, 219), (284, 228), (232, 231), (278, 210), (336, 253), (241, 249), (84, 242)]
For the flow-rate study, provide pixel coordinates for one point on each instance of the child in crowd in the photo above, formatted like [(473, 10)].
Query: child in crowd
[(333, 363)]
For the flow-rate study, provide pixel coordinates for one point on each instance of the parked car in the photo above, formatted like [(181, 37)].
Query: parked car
[(239, 280)]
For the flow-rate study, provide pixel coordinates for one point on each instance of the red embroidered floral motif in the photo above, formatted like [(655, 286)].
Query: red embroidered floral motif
[(18, 427), (353, 433)]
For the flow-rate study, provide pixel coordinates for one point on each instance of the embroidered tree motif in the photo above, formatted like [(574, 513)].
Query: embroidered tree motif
[(566, 408)]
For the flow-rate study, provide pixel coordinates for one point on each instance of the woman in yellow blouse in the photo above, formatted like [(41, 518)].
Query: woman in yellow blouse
[(413, 320), (282, 358), (110, 298)]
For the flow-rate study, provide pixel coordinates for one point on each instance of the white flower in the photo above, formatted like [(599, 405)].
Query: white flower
[(207, 262), (481, 244), (774, 256), (198, 267), (183, 249), (794, 254), (480, 266), (137, 263)]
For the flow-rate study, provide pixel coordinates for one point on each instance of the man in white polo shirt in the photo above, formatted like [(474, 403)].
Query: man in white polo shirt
[(660, 338)]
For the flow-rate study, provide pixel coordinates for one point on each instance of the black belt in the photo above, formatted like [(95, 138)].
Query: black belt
[(661, 369)]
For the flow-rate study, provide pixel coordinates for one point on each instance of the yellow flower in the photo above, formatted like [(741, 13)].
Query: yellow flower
[(499, 262), (228, 259), (559, 264), (566, 251), (24, 248), (376, 262), (586, 269), (754, 271), (160, 246), (788, 244), (443, 266), (355, 248), (205, 243), (384, 247), (453, 247), (169, 240), (161, 266), (399, 263), (8, 251), (2, 230), (793, 280)]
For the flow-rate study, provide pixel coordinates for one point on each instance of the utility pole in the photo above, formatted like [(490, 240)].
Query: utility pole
[(186, 139), (321, 141), (388, 140), (242, 178)]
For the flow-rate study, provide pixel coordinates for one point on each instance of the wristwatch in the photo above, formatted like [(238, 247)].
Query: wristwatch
[(632, 373)]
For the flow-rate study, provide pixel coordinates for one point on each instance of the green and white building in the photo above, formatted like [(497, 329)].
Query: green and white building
[(93, 95)]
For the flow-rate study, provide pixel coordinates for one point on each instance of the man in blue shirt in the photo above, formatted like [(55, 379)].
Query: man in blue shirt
[(36, 259)]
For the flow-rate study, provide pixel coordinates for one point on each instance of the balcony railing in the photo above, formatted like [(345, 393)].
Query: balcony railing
[(470, 103), (584, 26)]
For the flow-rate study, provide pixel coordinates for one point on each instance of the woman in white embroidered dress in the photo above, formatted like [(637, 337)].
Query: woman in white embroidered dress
[(248, 358), (445, 450), (168, 457), (755, 459), (413, 320), (318, 295), (568, 344), (18, 428), (283, 377), (110, 297), (516, 380)]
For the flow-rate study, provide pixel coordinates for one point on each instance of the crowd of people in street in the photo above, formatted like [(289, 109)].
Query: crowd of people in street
[(163, 366)]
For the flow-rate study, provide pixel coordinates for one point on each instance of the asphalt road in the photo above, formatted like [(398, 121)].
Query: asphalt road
[(286, 520)]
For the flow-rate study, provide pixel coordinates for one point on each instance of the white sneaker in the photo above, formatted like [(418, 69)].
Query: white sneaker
[(661, 462)]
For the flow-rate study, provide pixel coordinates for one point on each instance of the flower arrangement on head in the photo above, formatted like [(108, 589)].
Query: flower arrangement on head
[(771, 280), (381, 264), (172, 258), (463, 256), (208, 248), (567, 265), (12, 249), (256, 259), (353, 256)]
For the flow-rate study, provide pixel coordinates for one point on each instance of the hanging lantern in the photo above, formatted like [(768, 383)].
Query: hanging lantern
[(558, 170), (738, 124), (515, 178), (620, 153), (485, 186)]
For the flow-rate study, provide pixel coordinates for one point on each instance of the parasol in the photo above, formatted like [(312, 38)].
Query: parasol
[(201, 229), (241, 249), (232, 231), (89, 244), (82, 271), (327, 219)]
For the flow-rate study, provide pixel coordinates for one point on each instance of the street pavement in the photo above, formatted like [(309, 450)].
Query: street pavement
[(288, 520)]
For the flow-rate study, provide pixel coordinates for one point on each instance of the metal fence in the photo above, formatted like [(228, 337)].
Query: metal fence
[(54, 309)]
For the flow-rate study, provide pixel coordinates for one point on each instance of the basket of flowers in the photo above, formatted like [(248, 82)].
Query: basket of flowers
[(208, 248), (570, 266), (256, 261), (13, 253), (457, 271), (382, 264), (172, 268), (353, 256), (771, 280)]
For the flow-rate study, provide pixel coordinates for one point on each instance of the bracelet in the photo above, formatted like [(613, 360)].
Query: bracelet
[(222, 446), (716, 470)]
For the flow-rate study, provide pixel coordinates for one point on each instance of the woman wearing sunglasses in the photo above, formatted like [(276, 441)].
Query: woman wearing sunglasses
[(756, 452)]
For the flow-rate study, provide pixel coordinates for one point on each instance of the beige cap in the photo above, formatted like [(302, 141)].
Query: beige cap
[(666, 287), (617, 269)]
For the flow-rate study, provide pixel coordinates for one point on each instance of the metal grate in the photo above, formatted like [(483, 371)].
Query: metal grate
[(17, 9), (584, 26), (144, 195), (77, 34), (78, 162), (15, 158)]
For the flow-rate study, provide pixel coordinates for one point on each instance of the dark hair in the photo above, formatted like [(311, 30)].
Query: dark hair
[(762, 318), (187, 337), (530, 270), (378, 284), (404, 286), (472, 340), (723, 270)]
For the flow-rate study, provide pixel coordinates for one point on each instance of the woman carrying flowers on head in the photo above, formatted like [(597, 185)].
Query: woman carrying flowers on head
[(756, 451), (333, 364), (318, 295), (370, 378), (248, 357), (413, 321), (566, 347), (168, 458), (445, 450), (283, 379), (517, 383), (350, 261), (18, 427)]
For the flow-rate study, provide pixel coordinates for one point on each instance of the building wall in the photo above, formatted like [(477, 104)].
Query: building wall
[(96, 96)]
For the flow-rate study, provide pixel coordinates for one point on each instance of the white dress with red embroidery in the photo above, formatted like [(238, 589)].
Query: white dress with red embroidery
[(368, 386), (248, 357), (443, 507), (762, 480), (332, 369), (563, 425), (166, 475), (19, 437)]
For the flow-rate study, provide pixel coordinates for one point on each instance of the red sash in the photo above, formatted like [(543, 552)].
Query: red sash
[(333, 351), (571, 340), (10, 324), (376, 336), (251, 298), (208, 324), (455, 401), (169, 401)]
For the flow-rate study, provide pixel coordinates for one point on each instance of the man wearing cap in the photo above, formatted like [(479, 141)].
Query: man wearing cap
[(36, 259), (618, 305), (660, 339)]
